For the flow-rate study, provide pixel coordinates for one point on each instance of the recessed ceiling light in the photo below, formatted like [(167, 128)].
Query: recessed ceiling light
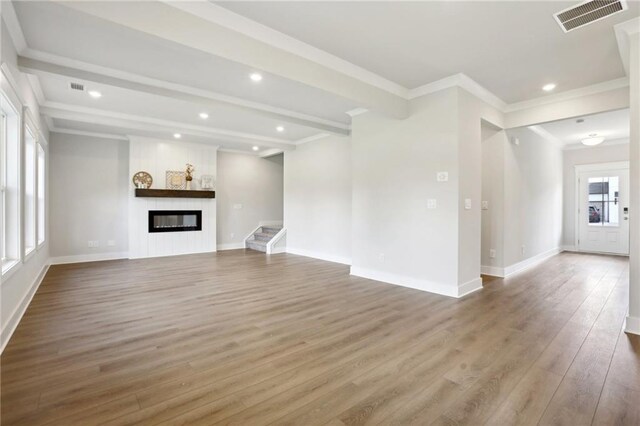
[(255, 148), (280, 129), (95, 94), (177, 135), (255, 77), (592, 140), (204, 115), (548, 87)]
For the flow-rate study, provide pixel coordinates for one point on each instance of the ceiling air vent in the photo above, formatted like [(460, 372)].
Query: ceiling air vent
[(587, 12), (76, 86)]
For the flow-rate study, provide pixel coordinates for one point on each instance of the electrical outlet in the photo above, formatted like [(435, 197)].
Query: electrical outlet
[(111, 243), (467, 203), (432, 203), (93, 243), (237, 206), (485, 205), (522, 250), (492, 253), (442, 176), (232, 235)]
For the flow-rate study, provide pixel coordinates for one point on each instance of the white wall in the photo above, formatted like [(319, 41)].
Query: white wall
[(395, 163), (156, 157), (89, 183), (533, 198), (572, 158), (317, 199), (493, 153), (17, 289), (255, 184)]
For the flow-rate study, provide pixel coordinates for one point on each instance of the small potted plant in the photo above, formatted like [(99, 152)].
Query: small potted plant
[(189, 175)]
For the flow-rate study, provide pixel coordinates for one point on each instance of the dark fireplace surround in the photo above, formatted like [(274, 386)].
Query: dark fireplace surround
[(175, 220)]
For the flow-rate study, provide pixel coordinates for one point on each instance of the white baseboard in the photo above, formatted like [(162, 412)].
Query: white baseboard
[(318, 255), (418, 284), (81, 258), (632, 325), (230, 246), (277, 250), (496, 271), (532, 261), (470, 287), (569, 248), (18, 313)]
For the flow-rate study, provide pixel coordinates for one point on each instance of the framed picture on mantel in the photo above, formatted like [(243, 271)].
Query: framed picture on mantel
[(176, 180), (207, 182)]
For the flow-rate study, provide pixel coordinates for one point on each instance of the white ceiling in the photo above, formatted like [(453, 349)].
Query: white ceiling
[(54, 28), (156, 83), (512, 48), (612, 125)]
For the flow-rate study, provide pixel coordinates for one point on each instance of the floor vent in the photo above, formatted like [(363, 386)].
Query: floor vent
[(76, 86), (588, 12)]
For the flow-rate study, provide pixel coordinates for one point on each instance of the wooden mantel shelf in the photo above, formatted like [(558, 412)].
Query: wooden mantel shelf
[(174, 193)]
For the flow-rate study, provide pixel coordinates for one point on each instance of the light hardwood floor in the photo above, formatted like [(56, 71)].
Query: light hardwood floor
[(242, 338)]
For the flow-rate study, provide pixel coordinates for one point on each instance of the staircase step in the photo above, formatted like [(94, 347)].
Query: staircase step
[(272, 230), (262, 236), (257, 245)]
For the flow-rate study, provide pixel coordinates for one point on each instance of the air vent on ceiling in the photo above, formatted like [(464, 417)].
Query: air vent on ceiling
[(76, 86), (588, 12)]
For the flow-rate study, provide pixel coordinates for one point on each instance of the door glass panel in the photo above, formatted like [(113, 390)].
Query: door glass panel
[(604, 203)]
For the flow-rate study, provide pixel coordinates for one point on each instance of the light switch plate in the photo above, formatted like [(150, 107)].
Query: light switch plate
[(442, 176), (485, 205), (237, 206), (432, 203), (492, 253), (467, 203)]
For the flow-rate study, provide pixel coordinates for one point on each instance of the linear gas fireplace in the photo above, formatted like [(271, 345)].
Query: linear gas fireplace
[(175, 220)]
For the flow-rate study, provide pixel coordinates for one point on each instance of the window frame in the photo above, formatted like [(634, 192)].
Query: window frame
[(30, 130), (41, 202), (9, 100)]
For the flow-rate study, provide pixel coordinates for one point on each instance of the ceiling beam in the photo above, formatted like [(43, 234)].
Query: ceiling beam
[(172, 24), (134, 122), (170, 90)]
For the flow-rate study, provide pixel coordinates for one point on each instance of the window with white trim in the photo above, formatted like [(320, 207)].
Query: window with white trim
[(29, 190), (41, 195), (10, 183)]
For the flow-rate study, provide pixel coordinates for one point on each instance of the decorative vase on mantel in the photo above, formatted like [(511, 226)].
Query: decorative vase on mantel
[(189, 175)]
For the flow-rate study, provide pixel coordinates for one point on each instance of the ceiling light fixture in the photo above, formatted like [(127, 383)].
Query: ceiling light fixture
[(95, 94), (204, 115), (255, 77), (592, 140), (280, 129), (548, 87), (177, 135), (255, 148)]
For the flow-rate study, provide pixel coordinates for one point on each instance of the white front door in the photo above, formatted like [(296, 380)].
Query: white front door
[(603, 210)]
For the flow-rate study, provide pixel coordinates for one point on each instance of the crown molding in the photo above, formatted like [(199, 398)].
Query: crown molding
[(569, 94), (243, 25), (238, 151), (463, 81), (86, 133), (357, 111), (312, 138)]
